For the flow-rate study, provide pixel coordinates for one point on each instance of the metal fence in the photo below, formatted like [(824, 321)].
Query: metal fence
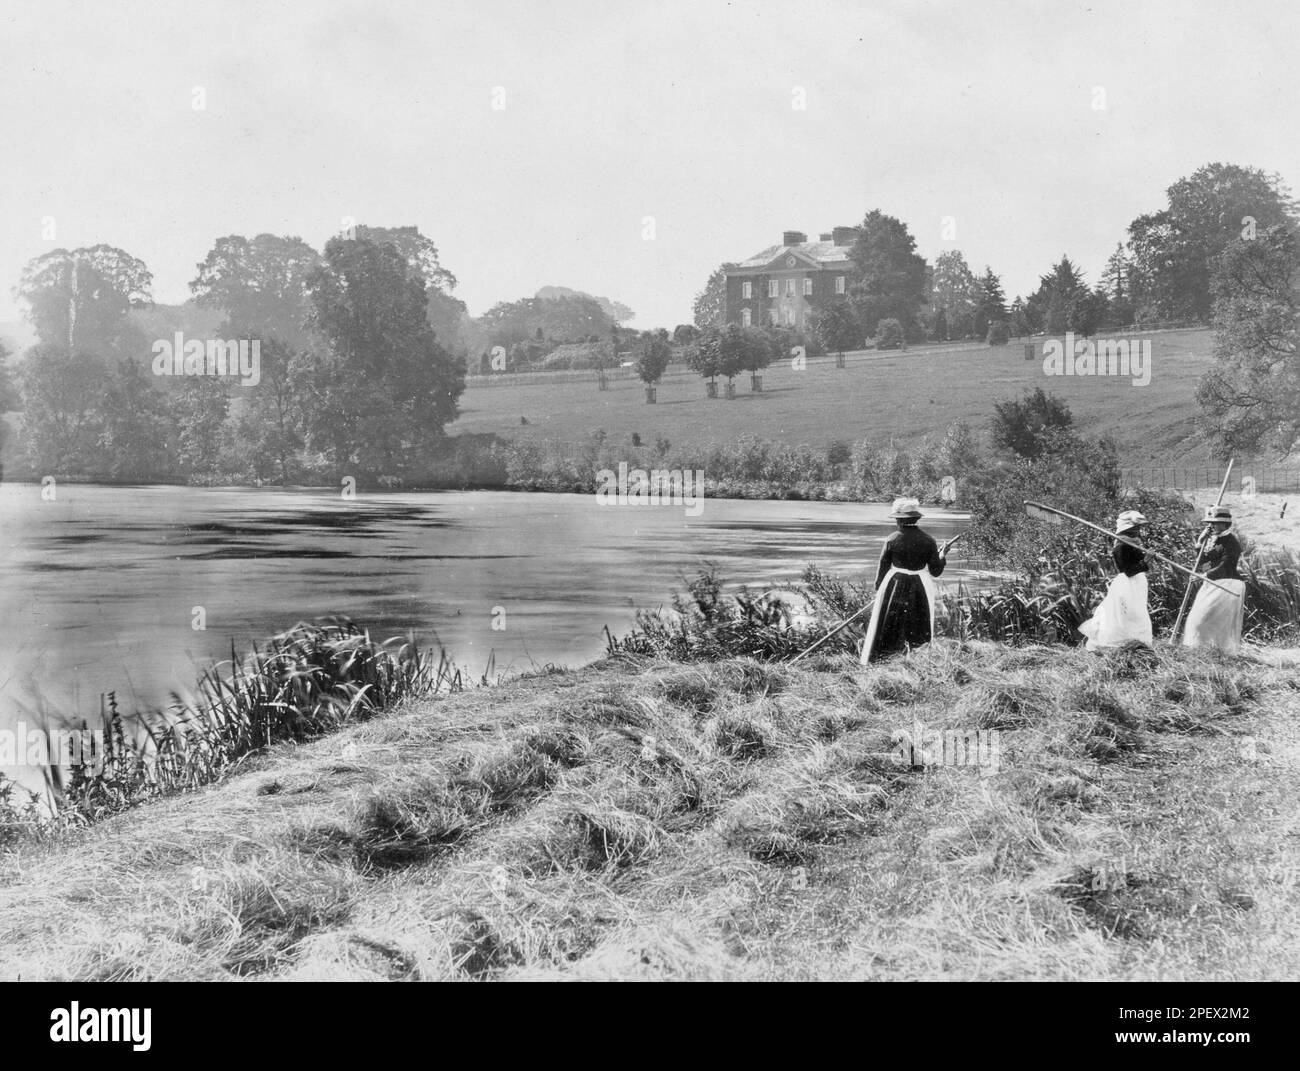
[(1246, 480)]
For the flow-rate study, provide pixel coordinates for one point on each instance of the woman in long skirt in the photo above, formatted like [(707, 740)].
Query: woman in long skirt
[(1216, 617), (902, 617), (1122, 615)]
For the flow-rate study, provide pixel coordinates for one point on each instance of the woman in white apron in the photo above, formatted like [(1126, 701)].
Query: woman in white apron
[(1216, 617), (902, 617), (1122, 615)]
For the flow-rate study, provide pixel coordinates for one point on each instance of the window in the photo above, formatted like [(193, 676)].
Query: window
[(807, 286), (789, 288), (789, 316), (839, 284), (745, 316), (747, 290), (773, 288)]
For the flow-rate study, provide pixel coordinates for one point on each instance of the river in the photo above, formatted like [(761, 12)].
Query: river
[(135, 589)]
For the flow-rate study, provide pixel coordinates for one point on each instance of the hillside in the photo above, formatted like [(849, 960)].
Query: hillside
[(878, 396), (728, 820)]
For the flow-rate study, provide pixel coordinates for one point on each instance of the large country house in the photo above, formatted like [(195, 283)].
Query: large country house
[(784, 283)]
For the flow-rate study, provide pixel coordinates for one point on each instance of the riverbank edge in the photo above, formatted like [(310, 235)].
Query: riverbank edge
[(449, 838)]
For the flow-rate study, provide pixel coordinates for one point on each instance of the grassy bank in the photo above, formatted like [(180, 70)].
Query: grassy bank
[(727, 820)]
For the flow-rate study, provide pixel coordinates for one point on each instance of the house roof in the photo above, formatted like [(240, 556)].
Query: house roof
[(818, 254)]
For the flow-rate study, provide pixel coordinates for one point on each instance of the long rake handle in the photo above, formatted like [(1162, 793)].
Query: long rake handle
[(1187, 595), (1136, 546), (847, 621)]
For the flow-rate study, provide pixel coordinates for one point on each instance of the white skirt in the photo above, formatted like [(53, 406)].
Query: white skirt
[(1216, 617), (1122, 615)]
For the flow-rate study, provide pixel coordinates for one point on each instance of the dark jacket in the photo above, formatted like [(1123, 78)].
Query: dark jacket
[(1221, 557), (910, 548), (1129, 560)]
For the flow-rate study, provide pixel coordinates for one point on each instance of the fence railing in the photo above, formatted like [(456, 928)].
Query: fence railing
[(1248, 480)]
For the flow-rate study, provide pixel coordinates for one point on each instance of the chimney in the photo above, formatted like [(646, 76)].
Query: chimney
[(844, 235), (826, 236), (793, 237)]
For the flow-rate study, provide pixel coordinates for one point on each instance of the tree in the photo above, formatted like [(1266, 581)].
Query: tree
[(261, 285), (1174, 249), (9, 395), (79, 299), (891, 280), (561, 319), (655, 355), (200, 408), (1050, 306), (991, 302), (1088, 312), (1116, 281), (705, 356), (136, 425), (381, 392), (1024, 426), (685, 334), (836, 327), (61, 397), (1252, 395), (443, 311), (889, 334), (1019, 322), (711, 303), (954, 292)]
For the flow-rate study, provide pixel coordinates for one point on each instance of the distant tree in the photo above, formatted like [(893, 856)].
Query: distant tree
[(889, 334), (1088, 312), (954, 291), (62, 394), (79, 299), (685, 334), (1023, 426), (1051, 305), (10, 398), (939, 332), (1174, 250), (562, 319), (654, 357), (1018, 321), (382, 390), (200, 408), (1252, 394), (711, 303), (991, 302), (890, 277), (705, 356), (836, 327), (136, 425), (261, 285), (998, 333)]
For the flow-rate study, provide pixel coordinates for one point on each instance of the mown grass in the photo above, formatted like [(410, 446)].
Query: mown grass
[(733, 819)]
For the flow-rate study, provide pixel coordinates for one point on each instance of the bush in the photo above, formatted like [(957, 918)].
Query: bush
[(998, 333), (889, 334)]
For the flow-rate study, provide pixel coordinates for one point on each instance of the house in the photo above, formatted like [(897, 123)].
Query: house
[(784, 283)]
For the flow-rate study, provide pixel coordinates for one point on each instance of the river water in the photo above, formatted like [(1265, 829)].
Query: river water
[(104, 588)]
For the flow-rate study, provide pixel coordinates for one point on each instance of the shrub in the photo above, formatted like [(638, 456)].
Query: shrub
[(889, 334)]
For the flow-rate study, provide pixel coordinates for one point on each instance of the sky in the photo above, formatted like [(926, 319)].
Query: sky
[(625, 149)]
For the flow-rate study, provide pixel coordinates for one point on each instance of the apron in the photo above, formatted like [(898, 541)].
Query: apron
[(884, 595)]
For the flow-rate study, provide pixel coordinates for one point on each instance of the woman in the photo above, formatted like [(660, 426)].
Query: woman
[(902, 616), (1215, 620), (1122, 616)]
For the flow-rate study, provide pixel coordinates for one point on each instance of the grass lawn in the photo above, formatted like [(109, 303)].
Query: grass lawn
[(878, 396), (640, 819)]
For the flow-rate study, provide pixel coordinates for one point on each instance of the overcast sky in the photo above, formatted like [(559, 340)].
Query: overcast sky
[(680, 110)]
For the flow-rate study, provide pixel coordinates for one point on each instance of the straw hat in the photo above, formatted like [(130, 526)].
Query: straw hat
[(906, 509), (1130, 518), (1217, 513)]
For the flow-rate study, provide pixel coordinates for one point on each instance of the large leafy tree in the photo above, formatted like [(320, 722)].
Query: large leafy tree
[(1174, 249), (710, 306), (1252, 395), (444, 311), (382, 389), (890, 275), (655, 353), (79, 299), (546, 321)]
